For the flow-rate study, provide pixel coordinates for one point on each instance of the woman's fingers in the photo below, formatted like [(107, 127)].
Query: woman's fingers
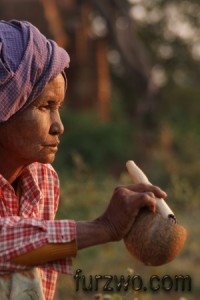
[(146, 199), (142, 187)]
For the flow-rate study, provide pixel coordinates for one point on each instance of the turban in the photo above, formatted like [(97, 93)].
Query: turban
[(28, 61)]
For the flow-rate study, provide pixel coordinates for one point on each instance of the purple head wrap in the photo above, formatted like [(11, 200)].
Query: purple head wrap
[(28, 61)]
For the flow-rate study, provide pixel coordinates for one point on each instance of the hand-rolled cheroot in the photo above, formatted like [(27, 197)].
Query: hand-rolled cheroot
[(154, 238)]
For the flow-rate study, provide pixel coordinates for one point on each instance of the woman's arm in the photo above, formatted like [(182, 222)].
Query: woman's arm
[(21, 236), (112, 225)]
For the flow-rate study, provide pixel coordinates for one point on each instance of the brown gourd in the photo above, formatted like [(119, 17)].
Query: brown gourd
[(155, 238)]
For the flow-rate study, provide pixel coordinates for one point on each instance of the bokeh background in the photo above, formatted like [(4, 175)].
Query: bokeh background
[(133, 93)]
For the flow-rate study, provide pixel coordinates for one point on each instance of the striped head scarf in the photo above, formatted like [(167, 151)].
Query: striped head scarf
[(28, 61)]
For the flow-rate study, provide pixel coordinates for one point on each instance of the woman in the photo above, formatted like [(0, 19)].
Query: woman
[(33, 246)]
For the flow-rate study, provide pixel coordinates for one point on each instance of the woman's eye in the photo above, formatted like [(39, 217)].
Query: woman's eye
[(50, 106), (44, 107)]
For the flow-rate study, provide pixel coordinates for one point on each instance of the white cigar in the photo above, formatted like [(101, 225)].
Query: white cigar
[(137, 176)]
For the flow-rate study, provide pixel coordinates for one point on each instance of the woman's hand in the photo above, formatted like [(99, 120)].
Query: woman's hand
[(125, 205), (119, 216)]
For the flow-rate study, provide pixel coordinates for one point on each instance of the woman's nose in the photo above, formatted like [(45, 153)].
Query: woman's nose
[(57, 126)]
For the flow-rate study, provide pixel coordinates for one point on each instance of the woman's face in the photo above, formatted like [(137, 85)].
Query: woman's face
[(33, 134)]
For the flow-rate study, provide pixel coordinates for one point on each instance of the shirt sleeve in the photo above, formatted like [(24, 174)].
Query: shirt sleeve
[(19, 235)]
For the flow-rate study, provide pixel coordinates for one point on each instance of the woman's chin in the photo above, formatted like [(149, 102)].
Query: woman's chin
[(48, 159)]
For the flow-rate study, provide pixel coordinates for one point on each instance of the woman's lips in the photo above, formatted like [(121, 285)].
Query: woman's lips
[(53, 147)]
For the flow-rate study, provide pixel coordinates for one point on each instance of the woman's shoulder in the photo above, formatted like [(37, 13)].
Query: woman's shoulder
[(43, 170)]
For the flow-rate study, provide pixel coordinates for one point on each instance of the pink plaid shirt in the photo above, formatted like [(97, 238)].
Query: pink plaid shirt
[(30, 224)]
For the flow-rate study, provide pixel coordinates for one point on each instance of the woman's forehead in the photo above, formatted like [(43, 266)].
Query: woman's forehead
[(54, 90)]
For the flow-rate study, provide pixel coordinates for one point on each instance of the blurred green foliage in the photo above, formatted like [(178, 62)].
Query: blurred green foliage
[(91, 145), (92, 152), (92, 155)]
